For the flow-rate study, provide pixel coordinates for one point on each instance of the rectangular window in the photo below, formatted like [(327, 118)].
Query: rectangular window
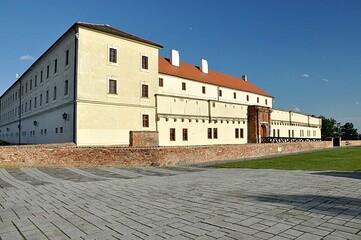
[(55, 66), (160, 82), (185, 134), (26, 87), (145, 90), (215, 133), (265, 101), (241, 133), (220, 92), (47, 71), (203, 89), (209, 133), (113, 55), (183, 86), (36, 81), (41, 76), (234, 95), (31, 84), (257, 99), (145, 120), (56, 130), (29, 105), (26, 106), (278, 133), (112, 86), (54, 95), (66, 87), (61, 129), (41, 100), (172, 134), (274, 132), (236, 133), (145, 62), (67, 57), (47, 96), (247, 97), (35, 102)]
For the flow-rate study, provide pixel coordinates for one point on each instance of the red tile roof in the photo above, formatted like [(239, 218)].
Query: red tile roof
[(191, 72)]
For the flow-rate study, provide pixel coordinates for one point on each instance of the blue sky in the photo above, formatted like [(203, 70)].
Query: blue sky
[(306, 53)]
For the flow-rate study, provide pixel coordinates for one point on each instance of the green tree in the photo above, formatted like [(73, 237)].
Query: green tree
[(348, 132), (330, 128)]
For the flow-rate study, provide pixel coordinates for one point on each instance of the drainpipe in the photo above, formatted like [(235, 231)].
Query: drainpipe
[(19, 110), (257, 132), (156, 112), (76, 38), (209, 110)]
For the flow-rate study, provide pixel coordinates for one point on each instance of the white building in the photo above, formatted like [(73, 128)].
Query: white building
[(96, 84)]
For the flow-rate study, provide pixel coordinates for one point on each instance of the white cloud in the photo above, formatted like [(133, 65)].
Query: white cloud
[(295, 109), (325, 80), (190, 28), (357, 103), (305, 75), (26, 58)]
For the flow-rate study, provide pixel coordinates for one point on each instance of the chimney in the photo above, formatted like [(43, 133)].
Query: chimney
[(204, 66), (174, 57), (244, 78)]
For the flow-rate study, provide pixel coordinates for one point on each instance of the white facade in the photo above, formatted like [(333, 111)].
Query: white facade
[(39, 99), (96, 84), (288, 124)]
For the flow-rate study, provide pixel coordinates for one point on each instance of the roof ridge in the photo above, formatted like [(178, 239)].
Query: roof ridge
[(97, 24)]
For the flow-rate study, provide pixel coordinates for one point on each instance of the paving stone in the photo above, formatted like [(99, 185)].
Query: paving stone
[(278, 228), (263, 235), (279, 238), (293, 232), (184, 203), (308, 236)]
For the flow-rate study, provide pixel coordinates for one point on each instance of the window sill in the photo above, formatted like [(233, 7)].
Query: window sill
[(112, 64), (111, 95)]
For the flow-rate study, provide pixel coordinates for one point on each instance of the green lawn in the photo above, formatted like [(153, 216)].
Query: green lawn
[(341, 159)]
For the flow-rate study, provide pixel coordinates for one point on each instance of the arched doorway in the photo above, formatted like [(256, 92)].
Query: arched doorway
[(263, 132)]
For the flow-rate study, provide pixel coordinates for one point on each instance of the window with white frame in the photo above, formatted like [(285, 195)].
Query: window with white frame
[(145, 120), (145, 90), (112, 55), (144, 62), (112, 88)]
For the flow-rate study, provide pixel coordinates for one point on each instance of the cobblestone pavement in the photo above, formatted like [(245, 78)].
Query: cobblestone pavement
[(178, 203)]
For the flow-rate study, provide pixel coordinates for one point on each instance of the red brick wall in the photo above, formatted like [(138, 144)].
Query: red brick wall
[(57, 155), (143, 139), (258, 115)]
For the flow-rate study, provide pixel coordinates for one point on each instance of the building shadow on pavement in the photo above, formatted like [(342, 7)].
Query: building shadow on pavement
[(355, 175), (327, 205)]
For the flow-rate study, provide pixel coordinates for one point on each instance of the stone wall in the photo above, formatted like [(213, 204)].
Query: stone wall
[(345, 143), (144, 139), (61, 155)]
